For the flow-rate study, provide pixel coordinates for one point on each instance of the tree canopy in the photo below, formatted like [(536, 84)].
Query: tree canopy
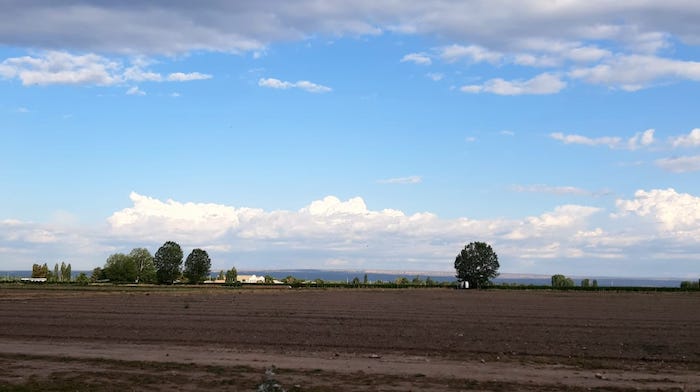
[(145, 269), (232, 275), (477, 264), (197, 266), (562, 281), (120, 268), (168, 261)]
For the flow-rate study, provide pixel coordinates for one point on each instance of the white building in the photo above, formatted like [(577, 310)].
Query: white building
[(251, 279)]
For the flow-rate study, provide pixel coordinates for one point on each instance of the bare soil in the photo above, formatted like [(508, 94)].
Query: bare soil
[(347, 340)]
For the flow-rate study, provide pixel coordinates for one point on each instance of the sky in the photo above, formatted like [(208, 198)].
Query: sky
[(353, 134)]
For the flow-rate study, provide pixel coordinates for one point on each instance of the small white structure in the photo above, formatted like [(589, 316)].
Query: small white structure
[(34, 280), (251, 279), (215, 281), (464, 284)]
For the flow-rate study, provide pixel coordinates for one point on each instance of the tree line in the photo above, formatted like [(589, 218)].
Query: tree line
[(165, 267), (62, 273)]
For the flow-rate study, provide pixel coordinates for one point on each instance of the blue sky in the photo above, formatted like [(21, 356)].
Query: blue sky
[(353, 134)]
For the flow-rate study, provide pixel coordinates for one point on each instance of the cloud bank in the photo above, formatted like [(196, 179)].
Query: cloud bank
[(568, 238)]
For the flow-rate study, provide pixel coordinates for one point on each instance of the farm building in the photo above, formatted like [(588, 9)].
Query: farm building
[(251, 279)]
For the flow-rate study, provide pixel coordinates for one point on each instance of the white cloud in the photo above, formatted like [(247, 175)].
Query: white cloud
[(639, 140), (334, 229), (22, 109), (61, 68), (680, 164), (554, 53), (472, 53), (669, 210), (562, 220), (541, 84), (506, 133), (692, 139), (417, 58), (186, 77), (402, 180), (557, 190), (302, 84), (578, 139), (56, 67), (635, 72), (135, 91)]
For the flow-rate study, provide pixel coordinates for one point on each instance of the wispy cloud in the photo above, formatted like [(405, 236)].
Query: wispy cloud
[(186, 77), (417, 58), (682, 164), (471, 53), (435, 76), (302, 85), (638, 140), (402, 180), (545, 83), (135, 91), (558, 190), (635, 72)]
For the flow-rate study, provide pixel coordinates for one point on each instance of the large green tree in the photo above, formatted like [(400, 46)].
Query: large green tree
[(477, 264), (168, 261), (197, 266), (120, 268), (145, 269), (562, 281)]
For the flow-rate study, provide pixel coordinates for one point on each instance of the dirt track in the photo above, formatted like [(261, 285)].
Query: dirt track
[(417, 339)]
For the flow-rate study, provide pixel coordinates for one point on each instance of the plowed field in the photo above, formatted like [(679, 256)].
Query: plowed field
[(342, 339)]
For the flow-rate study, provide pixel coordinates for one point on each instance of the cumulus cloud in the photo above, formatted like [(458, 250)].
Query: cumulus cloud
[(640, 139), (692, 139), (417, 58), (302, 85), (683, 164), (670, 210), (541, 84), (341, 229), (61, 68), (402, 180), (349, 230), (54, 67)]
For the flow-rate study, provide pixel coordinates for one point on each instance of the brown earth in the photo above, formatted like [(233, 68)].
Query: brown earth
[(343, 339)]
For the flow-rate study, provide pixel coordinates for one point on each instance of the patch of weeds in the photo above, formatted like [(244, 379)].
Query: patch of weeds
[(270, 384)]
